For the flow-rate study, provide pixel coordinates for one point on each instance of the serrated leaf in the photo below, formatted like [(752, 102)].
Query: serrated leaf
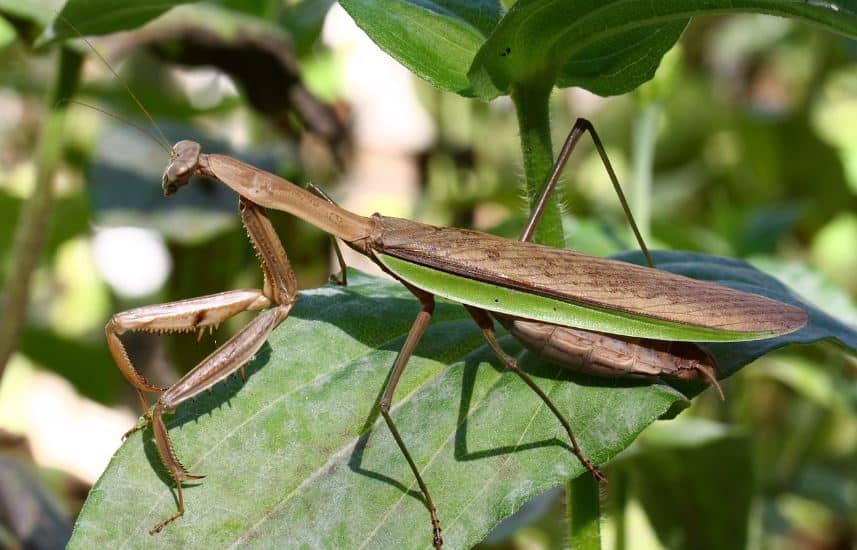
[(298, 452), (612, 46), (436, 39), (95, 17)]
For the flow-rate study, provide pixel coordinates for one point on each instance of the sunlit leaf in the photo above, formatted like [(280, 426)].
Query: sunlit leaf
[(611, 47), (94, 17), (436, 39), (299, 451)]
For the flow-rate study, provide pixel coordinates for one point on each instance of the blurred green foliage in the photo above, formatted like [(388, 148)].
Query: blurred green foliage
[(753, 155)]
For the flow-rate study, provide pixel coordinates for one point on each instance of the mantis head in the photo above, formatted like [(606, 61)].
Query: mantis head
[(183, 162)]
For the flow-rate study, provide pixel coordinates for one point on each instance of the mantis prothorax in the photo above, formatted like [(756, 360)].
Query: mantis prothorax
[(543, 295)]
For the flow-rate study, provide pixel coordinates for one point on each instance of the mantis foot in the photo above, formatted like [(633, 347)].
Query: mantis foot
[(147, 419), (435, 523), (157, 528)]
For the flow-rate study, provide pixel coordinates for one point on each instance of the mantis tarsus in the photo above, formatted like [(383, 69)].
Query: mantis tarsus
[(544, 296)]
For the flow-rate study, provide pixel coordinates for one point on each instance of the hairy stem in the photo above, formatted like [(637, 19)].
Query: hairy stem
[(532, 107), (33, 223)]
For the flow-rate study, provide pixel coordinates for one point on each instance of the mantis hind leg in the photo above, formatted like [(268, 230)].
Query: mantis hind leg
[(487, 325), (581, 125)]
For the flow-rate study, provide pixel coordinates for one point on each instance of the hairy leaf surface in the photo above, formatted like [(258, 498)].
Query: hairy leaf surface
[(298, 452)]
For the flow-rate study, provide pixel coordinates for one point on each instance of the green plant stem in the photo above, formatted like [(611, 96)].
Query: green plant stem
[(33, 222), (532, 107), (645, 133), (619, 506), (584, 514)]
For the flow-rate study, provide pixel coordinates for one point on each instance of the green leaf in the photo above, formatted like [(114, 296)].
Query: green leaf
[(436, 39), (298, 452), (612, 46), (94, 17), (304, 21), (7, 33), (39, 11)]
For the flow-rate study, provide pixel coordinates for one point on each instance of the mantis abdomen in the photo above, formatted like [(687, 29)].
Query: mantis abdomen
[(613, 356)]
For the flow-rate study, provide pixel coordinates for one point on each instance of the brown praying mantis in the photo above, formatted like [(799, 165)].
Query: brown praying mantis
[(592, 314)]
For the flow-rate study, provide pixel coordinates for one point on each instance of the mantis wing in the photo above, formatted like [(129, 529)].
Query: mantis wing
[(567, 288)]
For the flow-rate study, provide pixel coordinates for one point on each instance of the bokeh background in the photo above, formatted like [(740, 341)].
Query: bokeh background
[(744, 145)]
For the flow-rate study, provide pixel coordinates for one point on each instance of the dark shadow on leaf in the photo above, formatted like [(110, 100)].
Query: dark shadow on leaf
[(355, 462), (472, 363)]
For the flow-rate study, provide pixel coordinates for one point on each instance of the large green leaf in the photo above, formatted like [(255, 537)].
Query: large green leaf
[(612, 46), (93, 17), (297, 453), (436, 39), (609, 47)]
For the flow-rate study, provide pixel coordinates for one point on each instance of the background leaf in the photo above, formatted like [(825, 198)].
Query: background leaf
[(681, 470), (300, 452), (611, 47), (437, 39), (93, 17), (28, 510)]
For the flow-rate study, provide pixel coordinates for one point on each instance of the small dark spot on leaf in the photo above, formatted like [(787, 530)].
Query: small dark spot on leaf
[(506, 52), (496, 300)]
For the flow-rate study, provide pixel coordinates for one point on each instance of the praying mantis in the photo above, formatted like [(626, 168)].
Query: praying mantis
[(592, 314)]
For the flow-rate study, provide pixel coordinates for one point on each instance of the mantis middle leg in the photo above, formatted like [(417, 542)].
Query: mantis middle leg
[(278, 293)]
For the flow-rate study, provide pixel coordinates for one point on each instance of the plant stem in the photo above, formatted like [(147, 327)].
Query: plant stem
[(584, 515), (619, 500), (532, 107), (33, 222)]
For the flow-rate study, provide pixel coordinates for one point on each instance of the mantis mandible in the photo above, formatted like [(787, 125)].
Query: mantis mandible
[(548, 298)]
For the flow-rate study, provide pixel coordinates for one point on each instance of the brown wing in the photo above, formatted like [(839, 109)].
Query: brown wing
[(573, 277)]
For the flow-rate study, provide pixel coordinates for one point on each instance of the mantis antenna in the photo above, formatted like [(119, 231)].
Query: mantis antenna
[(163, 141), (120, 118)]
